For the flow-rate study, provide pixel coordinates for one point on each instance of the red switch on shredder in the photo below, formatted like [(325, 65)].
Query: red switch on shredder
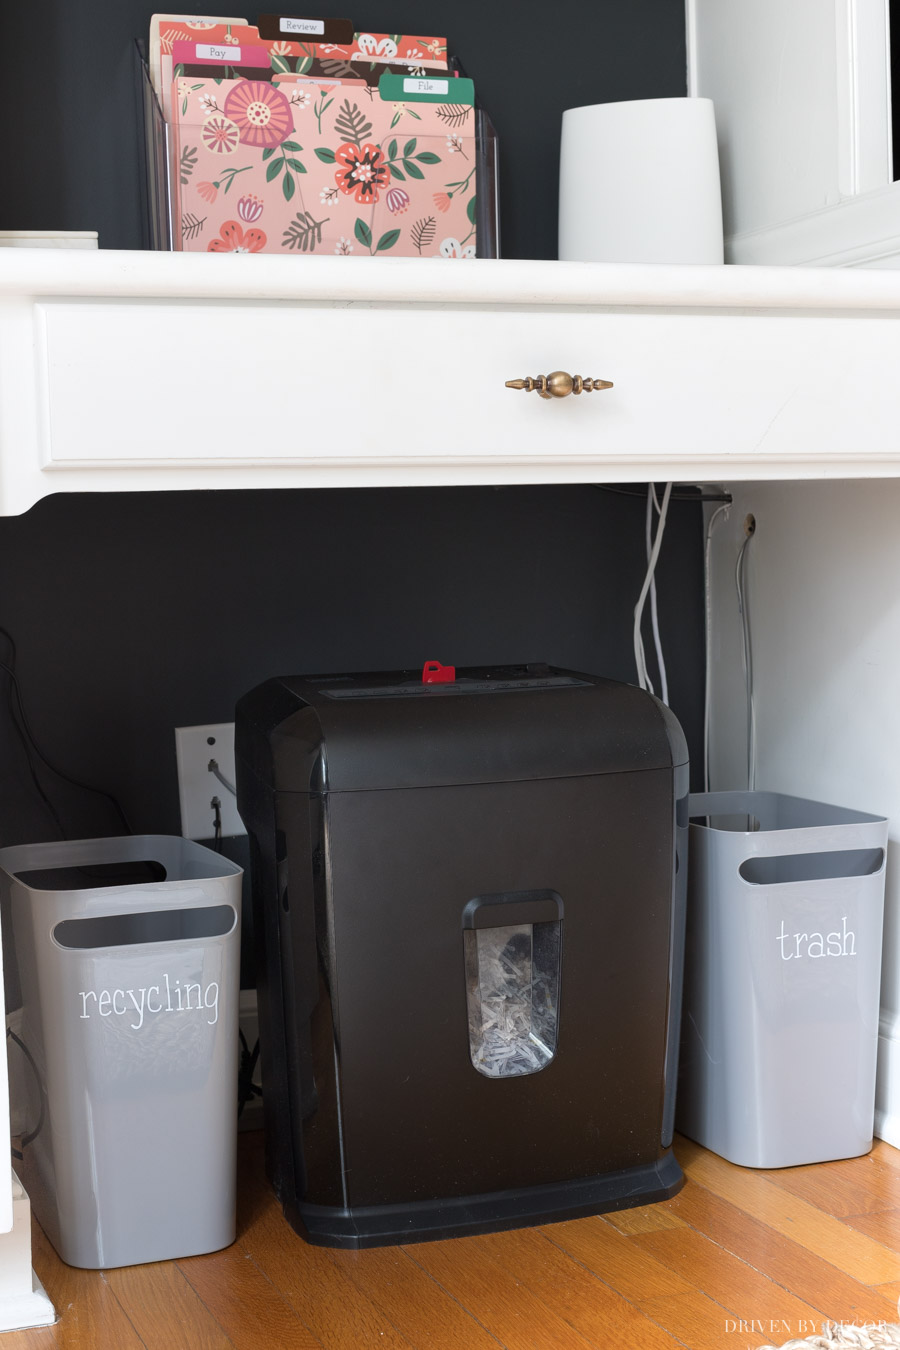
[(434, 673)]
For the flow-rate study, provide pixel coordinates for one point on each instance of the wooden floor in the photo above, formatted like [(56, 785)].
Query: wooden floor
[(738, 1259)]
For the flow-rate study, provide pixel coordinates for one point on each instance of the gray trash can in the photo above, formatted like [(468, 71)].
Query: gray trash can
[(782, 978), (128, 957)]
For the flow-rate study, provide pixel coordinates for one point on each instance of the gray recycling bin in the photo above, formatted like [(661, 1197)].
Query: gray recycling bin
[(782, 978), (128, 959)]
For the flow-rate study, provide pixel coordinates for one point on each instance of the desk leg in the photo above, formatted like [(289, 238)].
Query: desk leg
[(23, 1302)]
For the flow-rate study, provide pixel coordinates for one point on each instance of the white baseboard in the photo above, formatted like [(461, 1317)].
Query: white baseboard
[(887, 1084)]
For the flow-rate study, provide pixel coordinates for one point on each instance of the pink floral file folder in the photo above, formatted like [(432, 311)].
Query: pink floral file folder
[(418, 53), (299, 166), (290, 38), (214, 35)]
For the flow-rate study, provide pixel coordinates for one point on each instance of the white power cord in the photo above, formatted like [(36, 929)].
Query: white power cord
[(653, 504), (653, 555), (642, 673), (216, 772), (707, 614)]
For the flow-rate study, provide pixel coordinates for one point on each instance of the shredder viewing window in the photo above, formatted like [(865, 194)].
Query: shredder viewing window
[(512, 985)]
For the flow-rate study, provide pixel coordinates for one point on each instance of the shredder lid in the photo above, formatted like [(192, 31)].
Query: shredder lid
[(353, 733)]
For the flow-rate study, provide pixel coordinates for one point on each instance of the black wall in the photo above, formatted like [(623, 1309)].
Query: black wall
[(137, 613), (70, 113)]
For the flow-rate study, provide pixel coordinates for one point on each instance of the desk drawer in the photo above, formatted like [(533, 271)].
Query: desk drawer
[(186, 383)]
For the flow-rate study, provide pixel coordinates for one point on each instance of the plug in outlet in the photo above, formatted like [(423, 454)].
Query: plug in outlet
[(195, 749)]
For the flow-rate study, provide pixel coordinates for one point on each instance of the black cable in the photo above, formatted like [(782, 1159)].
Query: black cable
[(11, 695), (66, 778), (51, 809), (4, 632), (32, 1134), (247, 1089)]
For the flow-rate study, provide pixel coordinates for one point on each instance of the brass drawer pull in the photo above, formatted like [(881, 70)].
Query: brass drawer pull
[(558, 384)]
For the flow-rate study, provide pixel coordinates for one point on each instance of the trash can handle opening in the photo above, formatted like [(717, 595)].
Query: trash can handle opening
[(93, 876), (153, 926), (824, 865)]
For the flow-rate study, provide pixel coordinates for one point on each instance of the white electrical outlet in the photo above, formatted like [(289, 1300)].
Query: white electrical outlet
[(195, 749)]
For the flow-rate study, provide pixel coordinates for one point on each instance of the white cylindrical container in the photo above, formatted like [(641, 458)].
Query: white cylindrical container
[(639, 182)]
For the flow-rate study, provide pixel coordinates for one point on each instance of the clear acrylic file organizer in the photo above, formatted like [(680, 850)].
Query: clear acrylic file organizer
[(172, 168)]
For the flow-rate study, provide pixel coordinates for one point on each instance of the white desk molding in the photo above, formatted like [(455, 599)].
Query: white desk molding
[(126, 372)]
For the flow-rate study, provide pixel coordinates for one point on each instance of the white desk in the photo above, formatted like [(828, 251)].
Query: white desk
[(138, 371), (142, 372)]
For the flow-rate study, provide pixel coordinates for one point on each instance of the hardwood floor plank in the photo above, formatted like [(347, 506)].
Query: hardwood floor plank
[(578, 1295), (666, 1297), (635, 1274), (644, 1219), (725, 1277), (336, 1308), (892, 1292), (90, 1315), (886, 1153), (248, 1307), (518, 1319), (817, 1282), (696, 1320), (860, 1256), (884, 1227), (165, 1309), (324, 1295), (853, 1186), (36, 1338), (429, 1317)]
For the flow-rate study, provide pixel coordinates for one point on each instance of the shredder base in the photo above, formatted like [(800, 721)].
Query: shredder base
[(432, 1220)]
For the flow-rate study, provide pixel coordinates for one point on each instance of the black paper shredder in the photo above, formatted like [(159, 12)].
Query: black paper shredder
[(469, 913)]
